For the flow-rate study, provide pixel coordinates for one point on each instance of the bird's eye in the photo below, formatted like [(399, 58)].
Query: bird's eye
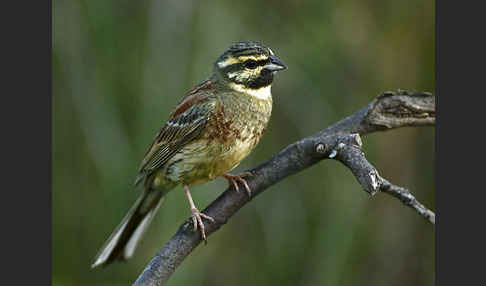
[(251, 64)]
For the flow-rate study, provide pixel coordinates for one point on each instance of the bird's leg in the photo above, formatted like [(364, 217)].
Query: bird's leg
[(232, 179), (196, 214)]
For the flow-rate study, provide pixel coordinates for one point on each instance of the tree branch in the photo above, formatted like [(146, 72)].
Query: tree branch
[(408, 199), (351, 156), (388, 111), (341, 141)]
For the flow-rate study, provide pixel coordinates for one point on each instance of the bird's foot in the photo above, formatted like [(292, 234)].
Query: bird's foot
[(197, 217), (233, 180)]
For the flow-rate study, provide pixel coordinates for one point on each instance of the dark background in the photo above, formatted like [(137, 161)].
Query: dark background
[(119, 67)]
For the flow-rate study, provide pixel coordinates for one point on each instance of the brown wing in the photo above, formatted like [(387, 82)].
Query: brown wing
[(196, 95), (184, 125)]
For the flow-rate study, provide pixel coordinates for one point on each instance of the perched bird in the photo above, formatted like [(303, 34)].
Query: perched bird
[(208, 133)]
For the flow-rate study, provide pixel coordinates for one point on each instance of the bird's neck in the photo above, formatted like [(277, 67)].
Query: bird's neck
[(263, 93)]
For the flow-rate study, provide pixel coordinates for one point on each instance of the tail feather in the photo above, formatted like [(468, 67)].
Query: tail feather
[(140, 231), (122, 242)]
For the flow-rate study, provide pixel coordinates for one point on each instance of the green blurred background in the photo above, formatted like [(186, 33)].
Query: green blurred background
[(120, 66)]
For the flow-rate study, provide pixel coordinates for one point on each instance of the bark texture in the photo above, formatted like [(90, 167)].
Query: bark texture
[(340, 141)]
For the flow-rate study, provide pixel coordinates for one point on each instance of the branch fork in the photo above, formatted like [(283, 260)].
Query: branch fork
[(340, 141)]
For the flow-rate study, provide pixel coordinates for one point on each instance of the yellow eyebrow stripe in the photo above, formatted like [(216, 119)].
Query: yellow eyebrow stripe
[(255, 58), (241, 59)]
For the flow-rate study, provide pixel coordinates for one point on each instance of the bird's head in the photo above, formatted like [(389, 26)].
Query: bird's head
[(248, 66)]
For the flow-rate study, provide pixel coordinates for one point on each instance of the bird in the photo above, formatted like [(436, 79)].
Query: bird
[(209, 132)]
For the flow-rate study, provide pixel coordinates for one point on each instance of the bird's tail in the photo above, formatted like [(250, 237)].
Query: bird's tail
[(122, 242)]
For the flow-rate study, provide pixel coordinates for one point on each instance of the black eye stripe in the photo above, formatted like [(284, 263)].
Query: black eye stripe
[(250, 63), (263, 62), (240, 66)]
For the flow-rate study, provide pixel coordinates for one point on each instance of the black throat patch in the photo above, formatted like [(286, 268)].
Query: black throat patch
[(264, 79)]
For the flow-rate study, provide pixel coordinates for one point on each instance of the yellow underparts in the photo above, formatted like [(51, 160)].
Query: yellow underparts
[(203, 160)]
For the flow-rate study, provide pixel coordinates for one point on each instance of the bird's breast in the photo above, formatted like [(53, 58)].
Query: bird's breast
[(232, 131), (239, 120)]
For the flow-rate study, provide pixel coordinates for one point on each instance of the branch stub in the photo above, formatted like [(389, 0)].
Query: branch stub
[(321, 148)]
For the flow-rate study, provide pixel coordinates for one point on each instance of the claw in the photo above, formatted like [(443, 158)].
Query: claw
[(239, 178), (197, 216), (194, 222)]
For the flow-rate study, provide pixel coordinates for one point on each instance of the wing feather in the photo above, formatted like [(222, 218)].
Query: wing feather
[(175, 134)]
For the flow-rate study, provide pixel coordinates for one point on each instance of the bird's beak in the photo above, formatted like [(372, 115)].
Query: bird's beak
[(275, 64)]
